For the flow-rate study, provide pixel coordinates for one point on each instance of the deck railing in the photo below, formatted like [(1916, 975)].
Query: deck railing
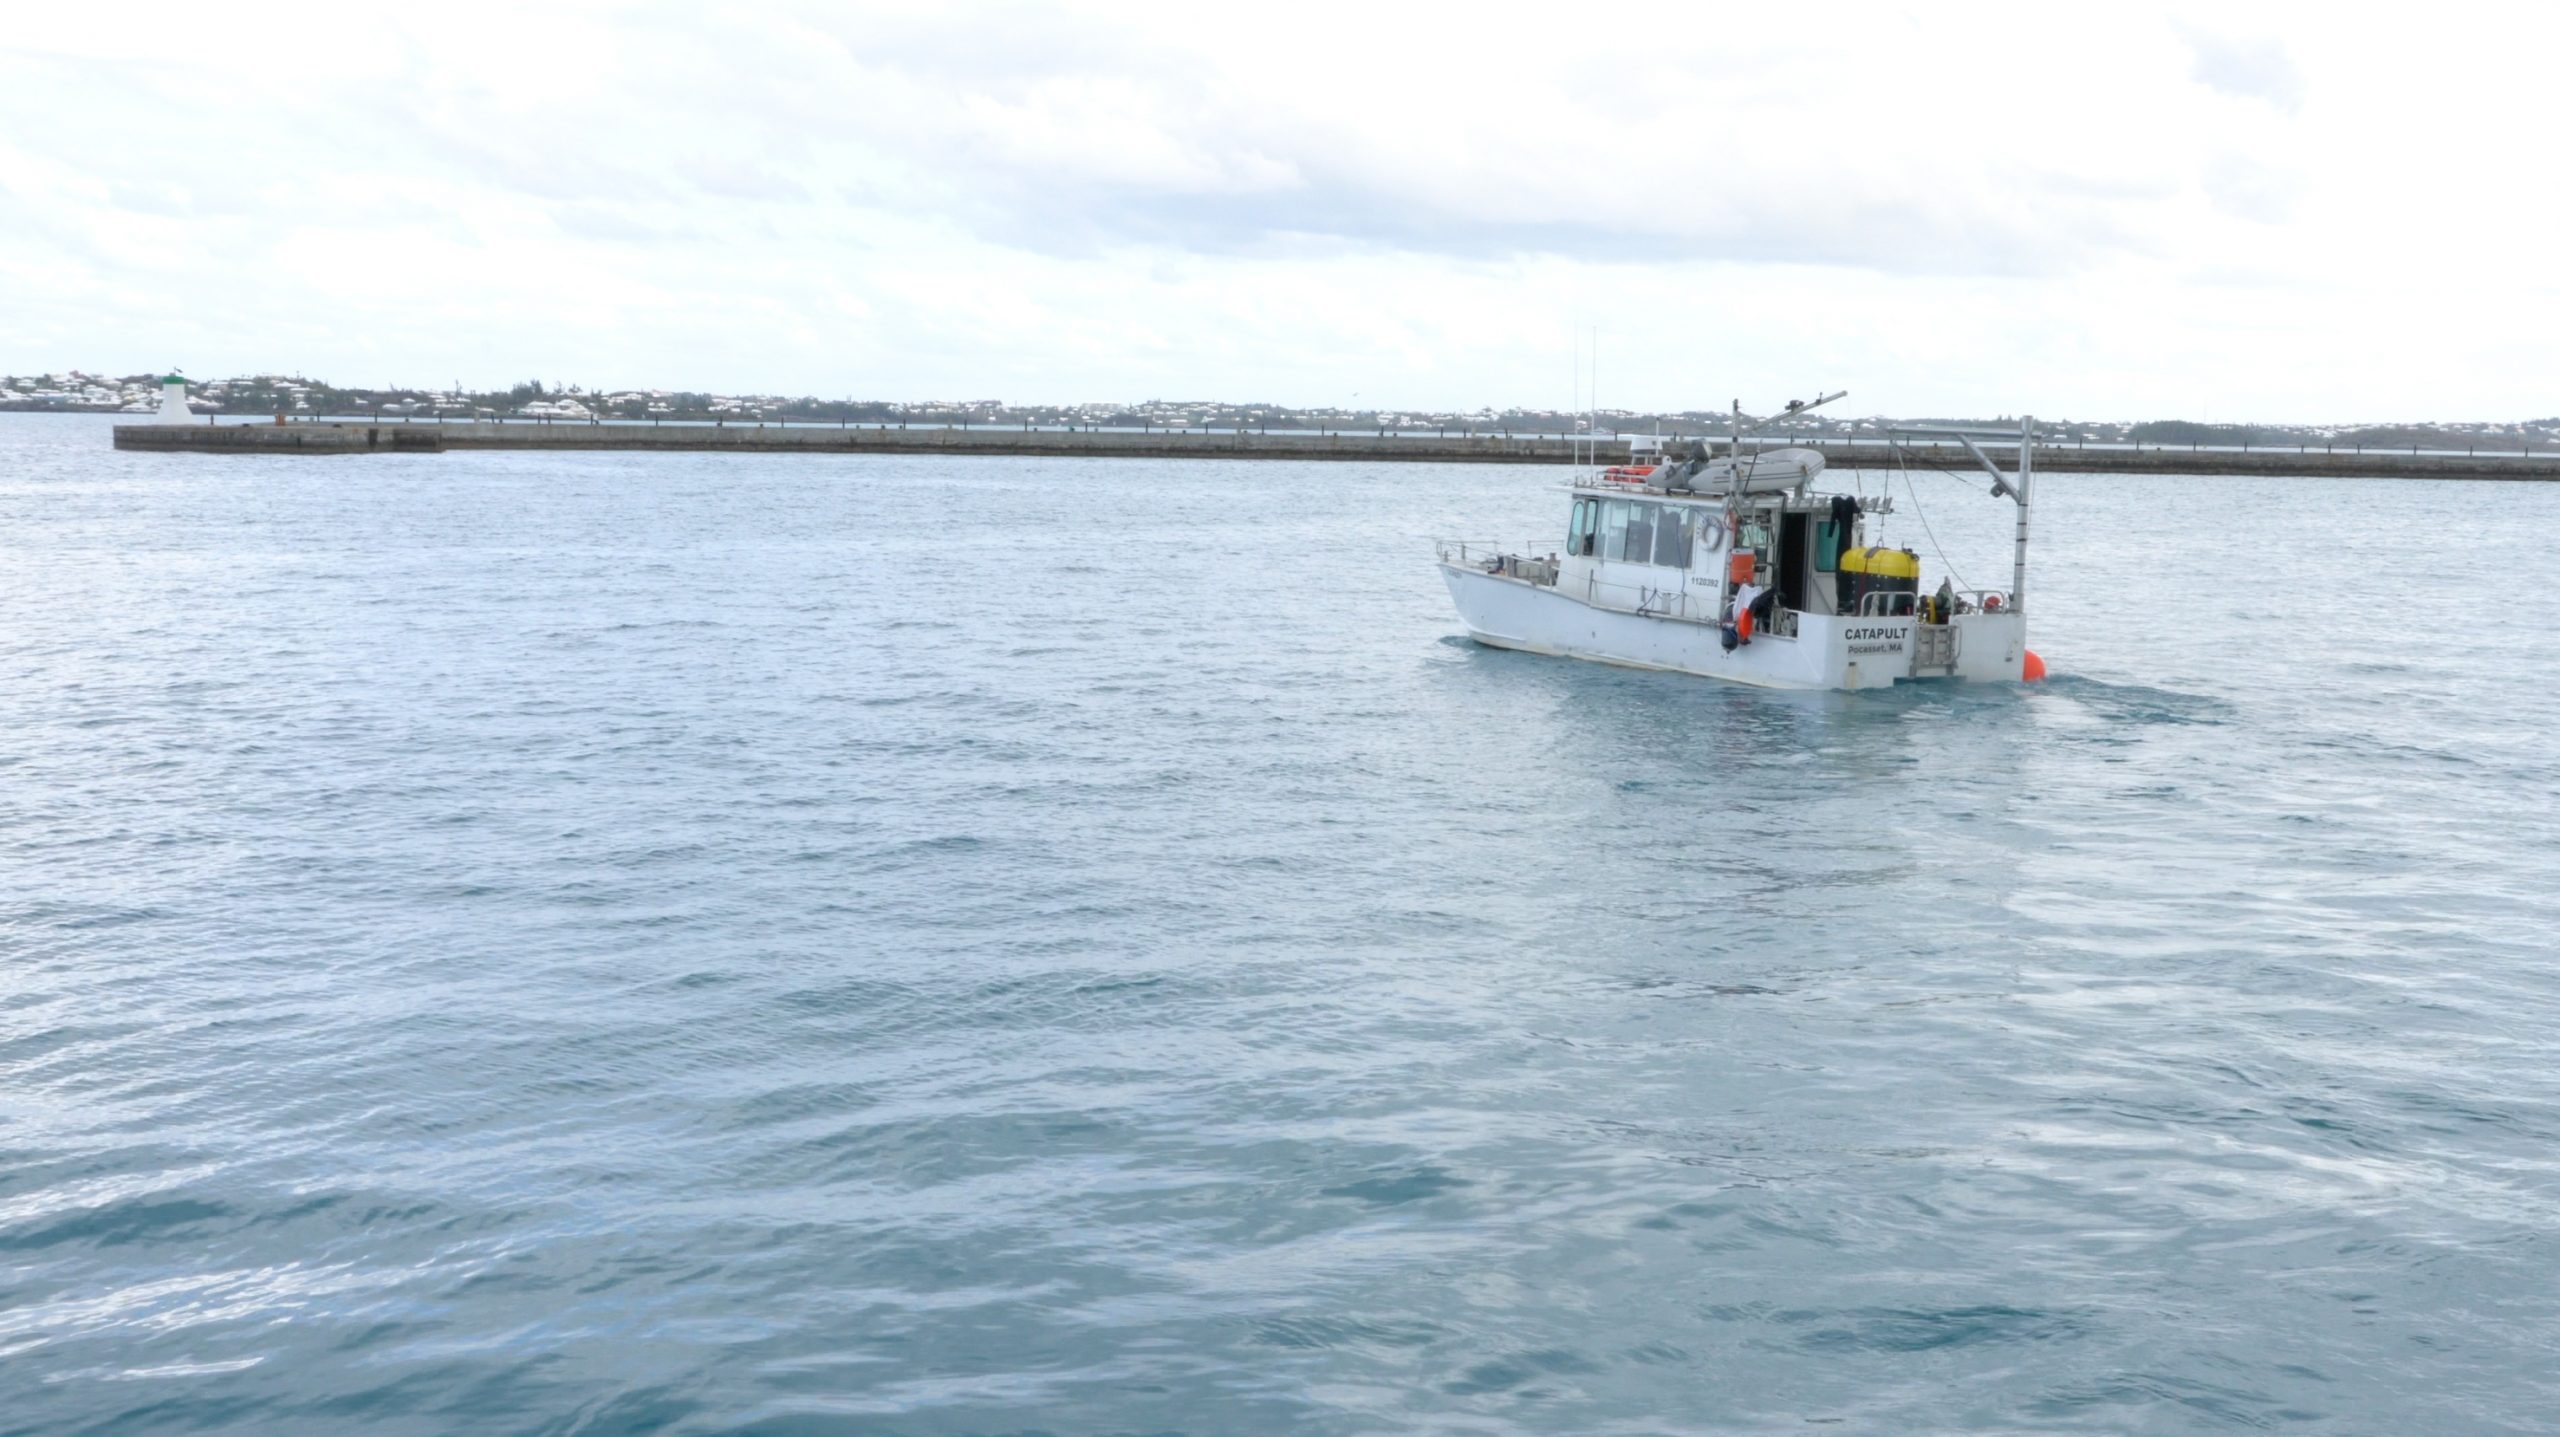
[(1477, 551), (1904, 605)]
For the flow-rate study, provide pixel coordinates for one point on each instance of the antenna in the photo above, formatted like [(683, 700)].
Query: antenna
[(1794, 408)]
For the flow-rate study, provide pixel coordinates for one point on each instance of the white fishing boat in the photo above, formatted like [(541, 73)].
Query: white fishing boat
[(1732, 566)]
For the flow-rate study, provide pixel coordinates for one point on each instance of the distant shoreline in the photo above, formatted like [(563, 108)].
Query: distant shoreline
[(350, 437), (257, 399)]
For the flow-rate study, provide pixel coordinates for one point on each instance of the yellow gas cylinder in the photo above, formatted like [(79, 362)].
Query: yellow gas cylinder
[(1878, 570)]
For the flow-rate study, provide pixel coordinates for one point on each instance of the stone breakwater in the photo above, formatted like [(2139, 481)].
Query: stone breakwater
[(401, 438)]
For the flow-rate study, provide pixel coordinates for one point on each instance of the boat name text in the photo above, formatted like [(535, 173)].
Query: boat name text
[(1866, 643)]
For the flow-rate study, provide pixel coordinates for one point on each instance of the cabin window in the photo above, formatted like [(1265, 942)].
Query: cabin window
[(1613, 527), (1671, 537), (1582, 515), (1639, 546), (1826, 546)]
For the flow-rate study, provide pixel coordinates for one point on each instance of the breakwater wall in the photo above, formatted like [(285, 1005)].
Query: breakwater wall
[(282, 438), (396, 438)]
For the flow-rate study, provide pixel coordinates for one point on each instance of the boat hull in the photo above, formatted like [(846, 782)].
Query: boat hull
[(1826, 652)]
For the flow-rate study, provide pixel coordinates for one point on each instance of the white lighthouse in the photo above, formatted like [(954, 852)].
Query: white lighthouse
[(173, 401)]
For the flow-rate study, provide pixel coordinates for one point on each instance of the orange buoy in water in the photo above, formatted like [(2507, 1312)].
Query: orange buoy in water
[(2035, 668)]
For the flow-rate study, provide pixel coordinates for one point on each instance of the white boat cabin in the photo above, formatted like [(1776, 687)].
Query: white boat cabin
[(1676, 555)]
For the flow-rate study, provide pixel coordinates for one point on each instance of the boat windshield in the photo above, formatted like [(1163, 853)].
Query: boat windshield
[(1632, 531)]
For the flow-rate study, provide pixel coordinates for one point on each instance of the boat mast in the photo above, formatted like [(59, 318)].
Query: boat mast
[(1735, 485), (2026, 477), (1732, 512)]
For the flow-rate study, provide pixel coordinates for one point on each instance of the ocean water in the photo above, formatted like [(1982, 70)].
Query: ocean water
[(611, 944)]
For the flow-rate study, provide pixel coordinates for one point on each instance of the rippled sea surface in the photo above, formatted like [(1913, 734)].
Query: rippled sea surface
[(598, 943)]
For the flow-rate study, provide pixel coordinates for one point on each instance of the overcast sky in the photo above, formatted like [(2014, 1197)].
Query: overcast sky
[(2324, 213)]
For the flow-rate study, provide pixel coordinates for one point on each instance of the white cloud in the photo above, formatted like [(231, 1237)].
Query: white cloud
[(2255, 67), (2100, 213)]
